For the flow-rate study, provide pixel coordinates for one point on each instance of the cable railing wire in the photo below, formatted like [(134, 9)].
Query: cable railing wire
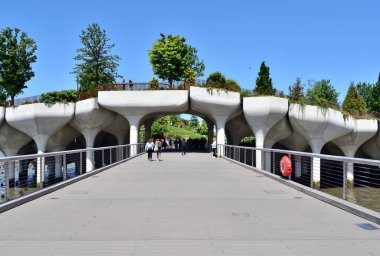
[(23, 175), (356, 180)]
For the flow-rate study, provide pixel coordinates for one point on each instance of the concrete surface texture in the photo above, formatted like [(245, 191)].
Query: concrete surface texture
[(90, 119), (217, 105), (318, 125), (119, 128), (363, 131), (60, 140), (372, 147), (237, 128), (40, 120), (171, 208), (12, 140)]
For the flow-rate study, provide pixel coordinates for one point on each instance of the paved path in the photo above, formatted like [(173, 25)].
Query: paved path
[(190, 205)]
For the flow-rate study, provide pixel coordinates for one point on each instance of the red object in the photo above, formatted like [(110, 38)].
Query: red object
[(286, 166)]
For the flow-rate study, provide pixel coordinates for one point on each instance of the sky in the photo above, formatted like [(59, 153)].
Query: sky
[(311, 39)]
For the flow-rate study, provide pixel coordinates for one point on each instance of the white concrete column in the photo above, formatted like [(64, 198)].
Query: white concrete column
[(316, 147), (349, 151), (58, 166), (40, 170), (259, 137), (220, 133), (316, 172), (134, 122)]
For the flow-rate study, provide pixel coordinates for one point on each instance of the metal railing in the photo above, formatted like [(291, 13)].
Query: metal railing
[(356, 180), (26, 174)]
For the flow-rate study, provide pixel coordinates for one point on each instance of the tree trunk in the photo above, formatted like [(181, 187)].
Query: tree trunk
[(170, 83), (12, 100)]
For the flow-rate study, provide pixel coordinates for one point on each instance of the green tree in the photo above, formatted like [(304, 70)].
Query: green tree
[(175, 120), (96, 63), (202, 128), (216, 78), (3, 96), (194, 122), (171, 55), (365, 90), (375, 97), (159, 127), (296, 91), (16, 56), (64, 96), (353, 102), (232, 85), (264, 82), (190, 78), (322, 93)]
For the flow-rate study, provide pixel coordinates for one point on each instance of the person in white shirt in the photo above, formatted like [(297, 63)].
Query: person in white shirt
[(213, 146)]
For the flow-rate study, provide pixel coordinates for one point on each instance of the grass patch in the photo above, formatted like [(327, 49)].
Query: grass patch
[(183, 133)]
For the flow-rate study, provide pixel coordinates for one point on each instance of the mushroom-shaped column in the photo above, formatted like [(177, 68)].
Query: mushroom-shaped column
[(318, 126), (349, 143), (59, 142), (262, 113), (372, 147), (238, 128), (134, 105), (219, 106), (40, 121), (278, 132), (90, 119), (119, 129), (11, 141)]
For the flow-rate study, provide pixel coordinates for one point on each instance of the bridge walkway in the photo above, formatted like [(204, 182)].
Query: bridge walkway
[(183, 205)]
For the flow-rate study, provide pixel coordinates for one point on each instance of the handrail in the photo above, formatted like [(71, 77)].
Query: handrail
[(307, 154)]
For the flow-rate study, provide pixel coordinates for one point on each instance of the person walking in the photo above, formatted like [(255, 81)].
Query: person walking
[(149, 146), (213, 146), (183, 146), (158, 149)]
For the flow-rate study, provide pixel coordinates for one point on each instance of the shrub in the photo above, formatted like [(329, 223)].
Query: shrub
[(64, 96)]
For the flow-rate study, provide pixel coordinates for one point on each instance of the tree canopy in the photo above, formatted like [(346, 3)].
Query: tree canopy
[(353, 102), (322, 93), (264, 82), (171, 55), (218, 80), (296, 91), (96, 63), (16, 56), (375, 97)]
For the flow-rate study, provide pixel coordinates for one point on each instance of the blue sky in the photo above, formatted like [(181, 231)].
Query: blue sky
[(337, 40)]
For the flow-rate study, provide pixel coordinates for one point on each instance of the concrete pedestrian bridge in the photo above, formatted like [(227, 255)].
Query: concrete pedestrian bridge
[(183, 205)]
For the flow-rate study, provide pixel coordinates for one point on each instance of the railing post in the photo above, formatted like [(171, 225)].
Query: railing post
[(110, 155), (273, 162), (64, 174), (80, 164), (245, 156), (102, 157), (252, 150), (6, 180), (344, 196)]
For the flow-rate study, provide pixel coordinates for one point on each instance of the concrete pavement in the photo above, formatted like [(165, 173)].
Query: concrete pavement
[(184, 205)]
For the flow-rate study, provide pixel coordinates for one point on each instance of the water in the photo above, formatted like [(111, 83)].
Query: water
[(363, 196)]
